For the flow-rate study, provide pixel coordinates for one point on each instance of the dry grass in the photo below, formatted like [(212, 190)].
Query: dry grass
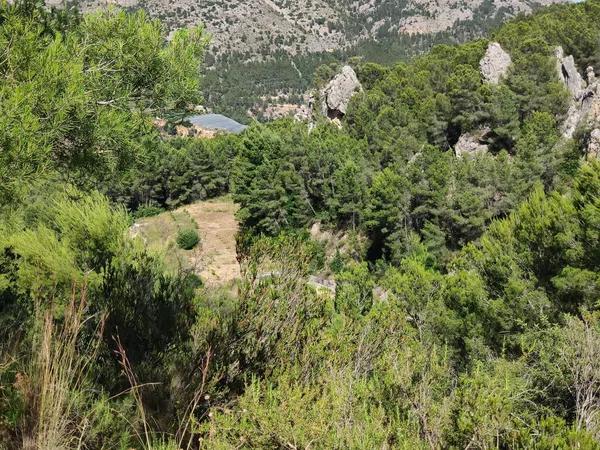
[(56, 379), (159, 233), (184, 437), (218, 228), (215, 259)]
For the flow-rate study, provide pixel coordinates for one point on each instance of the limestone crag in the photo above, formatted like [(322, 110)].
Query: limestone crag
[(471, 144), (336, 95), (584, 110), (572, 120), (590, 100), (593, 147), (495, 63), (590, 113), (568, 74)]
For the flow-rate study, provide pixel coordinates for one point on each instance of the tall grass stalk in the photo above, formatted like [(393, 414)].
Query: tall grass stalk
[(57, 377)]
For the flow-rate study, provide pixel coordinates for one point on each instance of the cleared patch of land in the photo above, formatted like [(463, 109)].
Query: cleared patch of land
[(215, 259), (218, 228)]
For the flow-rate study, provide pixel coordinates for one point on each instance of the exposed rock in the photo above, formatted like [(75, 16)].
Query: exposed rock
[(591, 75), (495, 63), (568, 74), (471, 143), (322, 283), (305, 112), (590, 99), (200, 109), (337, 122), (572, 120), (338, 92), (585, 107), (593, 148), (304, 26)]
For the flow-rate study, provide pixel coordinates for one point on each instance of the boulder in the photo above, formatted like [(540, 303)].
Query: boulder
[(471, 144), (495, 63), (568, 74), (338, 92)]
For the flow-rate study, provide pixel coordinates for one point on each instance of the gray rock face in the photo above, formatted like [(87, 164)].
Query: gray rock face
[(590, 100), (495, 63), (338, 92), (593, 149), (574, 116), (591, 75), (471, 144), (568, 74), (585, 102)]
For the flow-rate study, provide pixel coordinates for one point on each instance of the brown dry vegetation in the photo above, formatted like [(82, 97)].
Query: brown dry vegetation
[(218, 228), (215, 259)]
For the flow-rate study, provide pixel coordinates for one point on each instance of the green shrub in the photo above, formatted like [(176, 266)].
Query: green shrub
[(187, 239), (147, 210)]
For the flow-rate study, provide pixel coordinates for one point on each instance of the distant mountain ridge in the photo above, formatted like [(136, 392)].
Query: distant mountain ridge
[(259, 27), (265, 54)]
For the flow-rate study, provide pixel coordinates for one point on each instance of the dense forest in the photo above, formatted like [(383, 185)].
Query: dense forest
[(465, 312)]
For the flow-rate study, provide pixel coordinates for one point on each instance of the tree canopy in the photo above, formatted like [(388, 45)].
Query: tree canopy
[(393, 294)]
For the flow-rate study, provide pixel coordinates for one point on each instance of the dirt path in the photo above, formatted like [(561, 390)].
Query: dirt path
[(217, 227)]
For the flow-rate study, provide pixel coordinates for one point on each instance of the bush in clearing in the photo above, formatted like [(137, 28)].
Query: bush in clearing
[(187, 239)]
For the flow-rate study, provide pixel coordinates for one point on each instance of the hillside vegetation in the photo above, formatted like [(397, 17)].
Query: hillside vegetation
[(438, 301), (266, 52)]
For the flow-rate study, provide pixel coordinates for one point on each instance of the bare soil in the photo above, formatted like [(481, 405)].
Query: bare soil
[(215, 259)]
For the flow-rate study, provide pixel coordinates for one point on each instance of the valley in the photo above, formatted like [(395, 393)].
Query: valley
[(412, 261), (258, 46)]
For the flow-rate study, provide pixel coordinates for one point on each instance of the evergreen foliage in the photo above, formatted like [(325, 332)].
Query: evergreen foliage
[(187, 239), (442, 302), (74, 97)]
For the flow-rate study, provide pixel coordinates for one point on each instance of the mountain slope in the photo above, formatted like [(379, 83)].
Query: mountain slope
[(259, 27)]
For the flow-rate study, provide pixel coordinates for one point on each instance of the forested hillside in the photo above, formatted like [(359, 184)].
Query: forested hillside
[(248, 78), (398, 289), (265, 52)]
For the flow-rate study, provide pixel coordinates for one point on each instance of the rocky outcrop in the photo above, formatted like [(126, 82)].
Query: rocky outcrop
[(590, 100), (471, 144), (338, 92), (495, 63), (568, 74), (584, 109), (572, 120), (593, 147)]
